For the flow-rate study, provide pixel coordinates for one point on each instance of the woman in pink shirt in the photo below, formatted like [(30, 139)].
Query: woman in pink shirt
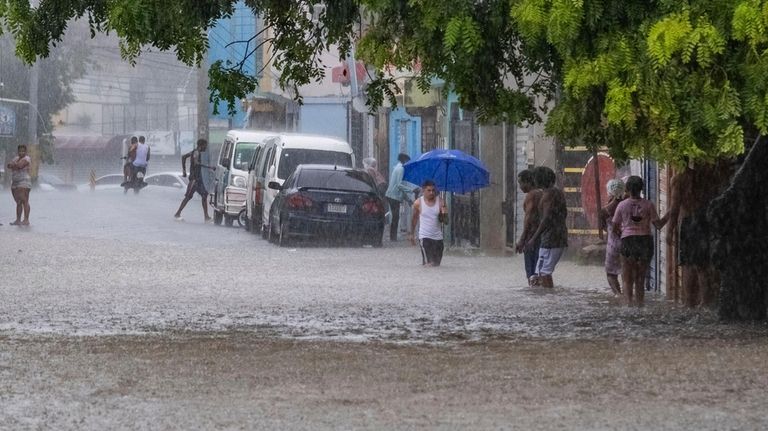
[(632, 220)]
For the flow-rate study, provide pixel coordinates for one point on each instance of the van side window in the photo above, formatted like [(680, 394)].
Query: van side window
[(225, 150), (267, 161), (255, 158)]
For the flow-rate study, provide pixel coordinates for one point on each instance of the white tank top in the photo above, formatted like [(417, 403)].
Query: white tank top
[(141, 155), (429, 224)]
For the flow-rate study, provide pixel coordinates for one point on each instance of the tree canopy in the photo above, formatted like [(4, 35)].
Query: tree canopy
[(670, 79)]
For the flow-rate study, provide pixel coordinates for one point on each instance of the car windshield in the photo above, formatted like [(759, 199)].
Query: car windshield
[(336, 180), (243, 154), (290, 158)]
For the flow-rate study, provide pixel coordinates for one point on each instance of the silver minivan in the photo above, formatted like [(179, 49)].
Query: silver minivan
[(279, 158), (228, 194)]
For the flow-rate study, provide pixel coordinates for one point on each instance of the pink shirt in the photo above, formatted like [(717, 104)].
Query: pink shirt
[(634, 216)]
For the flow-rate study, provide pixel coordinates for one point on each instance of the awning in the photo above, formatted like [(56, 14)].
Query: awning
[(87, 142)]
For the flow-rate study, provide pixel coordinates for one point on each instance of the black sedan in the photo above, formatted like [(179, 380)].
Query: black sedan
[(327, 202)]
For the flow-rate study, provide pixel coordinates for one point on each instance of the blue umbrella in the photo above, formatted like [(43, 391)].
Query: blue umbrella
[(451, 170)]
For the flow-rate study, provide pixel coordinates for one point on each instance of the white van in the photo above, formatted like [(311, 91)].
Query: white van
[(228, 194), (279, 158)]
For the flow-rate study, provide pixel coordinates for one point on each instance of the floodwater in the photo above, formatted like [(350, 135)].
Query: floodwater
[(114, 315)]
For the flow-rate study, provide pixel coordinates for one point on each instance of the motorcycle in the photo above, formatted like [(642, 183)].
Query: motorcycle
[(135, 179)]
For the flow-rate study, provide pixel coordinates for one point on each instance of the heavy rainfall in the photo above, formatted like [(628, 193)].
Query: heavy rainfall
[(172, 262)]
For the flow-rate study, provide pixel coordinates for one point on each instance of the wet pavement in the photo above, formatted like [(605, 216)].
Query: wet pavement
[(114, 283)]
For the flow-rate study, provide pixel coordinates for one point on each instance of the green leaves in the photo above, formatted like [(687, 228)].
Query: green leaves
[(463, 34), (675, 35), (230, 85)]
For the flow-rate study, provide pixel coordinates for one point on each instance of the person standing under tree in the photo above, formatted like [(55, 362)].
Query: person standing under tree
[(613, 244), (429, 213), (632, 220), (530, 222), (691, 191), (21, 184), (552, 230), (195, 178)]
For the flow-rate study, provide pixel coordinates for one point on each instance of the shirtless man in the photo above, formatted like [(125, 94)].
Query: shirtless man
[(552, 230), (195, 178), (530, 223)]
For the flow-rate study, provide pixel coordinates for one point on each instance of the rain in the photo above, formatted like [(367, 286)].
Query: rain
[(117, 315)]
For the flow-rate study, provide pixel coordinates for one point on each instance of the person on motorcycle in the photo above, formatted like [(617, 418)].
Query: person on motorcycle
[(140, 162), (128, 167)]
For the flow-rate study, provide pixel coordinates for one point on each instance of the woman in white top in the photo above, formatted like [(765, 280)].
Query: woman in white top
[(21, 183), (429, 214)]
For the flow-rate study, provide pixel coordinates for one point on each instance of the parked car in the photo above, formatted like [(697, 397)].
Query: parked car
[(228, 194), (167, 179), (326, 201), (109, 181), (278, 159), (49, 182)]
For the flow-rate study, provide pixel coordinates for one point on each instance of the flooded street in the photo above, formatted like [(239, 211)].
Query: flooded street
[(114, 315)]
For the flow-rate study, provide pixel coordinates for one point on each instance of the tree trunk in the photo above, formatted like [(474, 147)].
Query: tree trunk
[(738, 223)]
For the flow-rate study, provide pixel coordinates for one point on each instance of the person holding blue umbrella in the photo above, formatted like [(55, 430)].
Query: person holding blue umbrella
[(429, 214)]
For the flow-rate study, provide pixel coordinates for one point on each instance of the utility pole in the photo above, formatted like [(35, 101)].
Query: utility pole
[(33, 83), (34, 149), (202, 99)]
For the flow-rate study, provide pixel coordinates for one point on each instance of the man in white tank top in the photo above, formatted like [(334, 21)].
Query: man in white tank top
[(429, 214)]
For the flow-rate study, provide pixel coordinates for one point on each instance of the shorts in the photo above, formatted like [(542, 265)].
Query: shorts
[(23, 184), (431, 251), (548, 259), (196, 186), (638, 247)]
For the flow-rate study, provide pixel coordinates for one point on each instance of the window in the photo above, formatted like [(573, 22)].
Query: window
[(356, 181), (225, 151), (243, 155), (255, 158), (290, 158), (264, 162)]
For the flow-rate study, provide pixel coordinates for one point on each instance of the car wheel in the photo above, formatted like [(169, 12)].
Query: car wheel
[(244, 221), (217, 217), (283, 240)]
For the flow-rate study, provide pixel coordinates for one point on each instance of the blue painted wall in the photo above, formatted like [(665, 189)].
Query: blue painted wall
[(240, 26)]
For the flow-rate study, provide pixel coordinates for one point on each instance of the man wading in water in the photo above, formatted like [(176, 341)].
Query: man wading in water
[(552, 230), (429, 214)]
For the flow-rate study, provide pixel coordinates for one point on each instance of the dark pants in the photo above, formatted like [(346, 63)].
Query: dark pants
[(531, 257), (431, 251), (394, 209)]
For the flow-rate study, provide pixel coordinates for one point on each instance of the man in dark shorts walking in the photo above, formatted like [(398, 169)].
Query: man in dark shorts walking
[(552, 230), (195, 178)]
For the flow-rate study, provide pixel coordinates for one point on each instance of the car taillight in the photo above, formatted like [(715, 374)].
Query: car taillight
[(257, 193), (298, 201), (373, 207)]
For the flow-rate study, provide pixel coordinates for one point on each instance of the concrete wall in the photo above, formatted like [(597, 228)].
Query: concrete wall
[(492, 228), (324, 116)]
